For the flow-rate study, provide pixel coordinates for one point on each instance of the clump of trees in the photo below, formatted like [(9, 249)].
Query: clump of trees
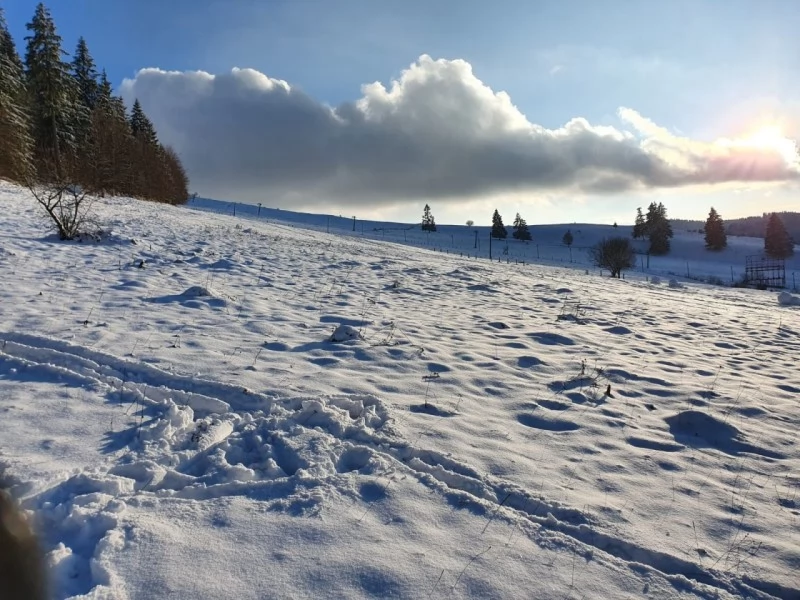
[(428, 222), (716, 238), (521, 231), (777, 241), (655, 227), (615, 254), (498, 229), (64, 134)]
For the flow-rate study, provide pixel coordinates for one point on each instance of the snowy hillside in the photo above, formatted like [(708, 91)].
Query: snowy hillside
[(688, 258), (205, 406)]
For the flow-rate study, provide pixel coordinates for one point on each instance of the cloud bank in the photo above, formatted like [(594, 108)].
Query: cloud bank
[(436, 132)]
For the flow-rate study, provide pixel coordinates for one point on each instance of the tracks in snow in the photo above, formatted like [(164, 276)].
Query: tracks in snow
[(204, 439)]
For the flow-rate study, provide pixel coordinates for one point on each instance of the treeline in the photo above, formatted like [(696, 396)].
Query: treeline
[(61, 124), (749, 226)]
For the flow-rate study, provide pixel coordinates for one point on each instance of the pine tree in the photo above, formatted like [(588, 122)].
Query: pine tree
[(15, 140), (658, 228), (521, 231), (428, 222), (716, 238), (777, 241), (498, 229), (85, 74), (639, 226), (141, 126), (53, 97), (567, 239)]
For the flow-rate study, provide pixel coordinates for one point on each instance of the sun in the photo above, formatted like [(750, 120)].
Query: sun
[(769, 136), (772, 139)]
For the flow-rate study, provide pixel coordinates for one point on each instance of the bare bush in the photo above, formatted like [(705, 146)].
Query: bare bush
[(615, 254), (67, 205)]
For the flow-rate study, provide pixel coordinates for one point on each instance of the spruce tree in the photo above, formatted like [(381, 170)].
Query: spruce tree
[(567, 239), (85, 74), (639, 228), (141, 126), (428, 222), (53, 97), (498, 229), (521, 231), (658, 228), (716, 238), (777, 241), (15, 140)]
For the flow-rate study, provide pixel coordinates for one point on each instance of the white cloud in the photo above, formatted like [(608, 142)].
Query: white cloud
[(435, 132)]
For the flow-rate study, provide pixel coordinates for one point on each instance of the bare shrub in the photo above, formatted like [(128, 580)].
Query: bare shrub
[(67, 205), (615, 254)]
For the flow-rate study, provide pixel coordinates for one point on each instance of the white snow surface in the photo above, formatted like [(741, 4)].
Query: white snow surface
[(205, 406)]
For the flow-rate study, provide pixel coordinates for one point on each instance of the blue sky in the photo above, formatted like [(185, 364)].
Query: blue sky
[(701, 69)]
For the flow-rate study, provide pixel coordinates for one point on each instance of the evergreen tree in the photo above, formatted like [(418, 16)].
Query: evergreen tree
[(777, 241), (521, 231), (15, 140), (498, 229), (53, 96), (659, 229), (428, 222), (85, 74), (639, 227), (716, 238), (110, 147), (567, 239), (141, 126)]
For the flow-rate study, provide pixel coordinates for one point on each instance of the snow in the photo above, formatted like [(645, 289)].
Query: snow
[(252, 407)]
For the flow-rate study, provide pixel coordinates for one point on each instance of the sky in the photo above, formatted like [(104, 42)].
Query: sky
[(569, 111)]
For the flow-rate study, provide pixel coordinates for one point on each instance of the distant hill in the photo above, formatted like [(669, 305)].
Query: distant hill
[(747, 226)]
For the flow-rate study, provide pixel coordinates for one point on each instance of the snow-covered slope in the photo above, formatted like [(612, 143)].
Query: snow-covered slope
[(688, 258), (180, 421)]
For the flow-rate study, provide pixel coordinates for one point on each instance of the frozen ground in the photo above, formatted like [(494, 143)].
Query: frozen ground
[(179, 422)]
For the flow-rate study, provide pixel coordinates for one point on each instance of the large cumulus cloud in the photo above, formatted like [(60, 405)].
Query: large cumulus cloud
[(435, 132)]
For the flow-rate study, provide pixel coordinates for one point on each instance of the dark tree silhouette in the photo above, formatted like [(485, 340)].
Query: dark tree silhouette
[(615, 254)]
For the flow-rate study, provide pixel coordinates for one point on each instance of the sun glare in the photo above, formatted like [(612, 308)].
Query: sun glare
[(770, 137)]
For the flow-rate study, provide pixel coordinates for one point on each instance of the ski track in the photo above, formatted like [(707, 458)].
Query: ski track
[(261, 435)]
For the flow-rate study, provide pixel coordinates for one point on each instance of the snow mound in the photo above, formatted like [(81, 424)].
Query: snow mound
[(344, 333), (787, 299), (199, 291), (674, 283)]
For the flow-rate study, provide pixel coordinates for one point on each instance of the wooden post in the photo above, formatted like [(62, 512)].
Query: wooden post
[(490, 245), (259, 210), (354, 223)]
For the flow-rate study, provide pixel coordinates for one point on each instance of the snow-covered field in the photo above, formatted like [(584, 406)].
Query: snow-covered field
[(180, 423)]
